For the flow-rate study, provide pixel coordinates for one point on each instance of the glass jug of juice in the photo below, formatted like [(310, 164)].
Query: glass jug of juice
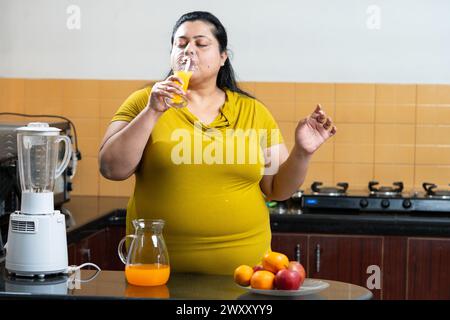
[(147, 260)]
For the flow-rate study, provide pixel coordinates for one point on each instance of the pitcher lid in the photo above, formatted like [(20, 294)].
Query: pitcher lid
[(39, 127)]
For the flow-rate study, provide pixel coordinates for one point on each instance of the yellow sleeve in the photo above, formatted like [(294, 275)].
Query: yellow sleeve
[(132, 106), (268, 124)]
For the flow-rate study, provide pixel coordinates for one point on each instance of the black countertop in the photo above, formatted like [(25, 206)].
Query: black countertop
[(112, 285), (92, 213)]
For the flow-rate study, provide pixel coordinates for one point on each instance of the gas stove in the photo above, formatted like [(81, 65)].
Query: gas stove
[(375, 198)]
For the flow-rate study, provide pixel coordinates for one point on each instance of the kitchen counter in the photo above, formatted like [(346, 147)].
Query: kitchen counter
[(111, 285), (91, 213)]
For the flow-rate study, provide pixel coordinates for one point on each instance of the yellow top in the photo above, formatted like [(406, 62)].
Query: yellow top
[(203, 180)]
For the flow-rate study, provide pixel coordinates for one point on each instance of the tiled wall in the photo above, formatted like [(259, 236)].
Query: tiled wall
[(385, 132)]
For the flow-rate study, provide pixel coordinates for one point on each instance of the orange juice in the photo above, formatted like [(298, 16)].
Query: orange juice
[(147, 274), (185, 76)]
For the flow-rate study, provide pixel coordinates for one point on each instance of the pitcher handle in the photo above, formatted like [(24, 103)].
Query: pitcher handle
[(67, 154), (120, 248)]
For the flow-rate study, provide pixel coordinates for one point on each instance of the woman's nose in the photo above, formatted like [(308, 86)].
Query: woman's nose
[(189, 49)]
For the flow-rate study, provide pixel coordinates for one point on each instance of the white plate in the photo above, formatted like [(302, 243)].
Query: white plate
[(309, 286)]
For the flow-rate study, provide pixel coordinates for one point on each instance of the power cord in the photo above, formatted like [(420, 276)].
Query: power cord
[(72, 269)]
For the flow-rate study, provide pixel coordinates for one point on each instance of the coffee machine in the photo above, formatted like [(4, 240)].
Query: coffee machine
[(37, 241)]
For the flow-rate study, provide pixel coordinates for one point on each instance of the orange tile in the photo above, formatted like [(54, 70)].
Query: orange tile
[(248, 87), (354, 112), (318, 172), (325, 153), (281, 111), (395, 134), (288, 131), (357, 175), (12, 106), (433, 155), (120, 89), (394, 154), (88, 146), (435, 174), (355, 93), (81, 89), (86, 181), (395, 94), (88, 128), (117, 188), (275, 90), (395, 113), (314, 92), (43, 89), (433, 94), (48, 106), (354, 133), (353, 153), (304, 109), (386, 174), (433, 134), (433, 114), (12, 89), (81, 108), (108, 107)]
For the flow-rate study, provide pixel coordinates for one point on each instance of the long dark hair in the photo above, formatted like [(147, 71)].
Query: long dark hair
[(225, 78)]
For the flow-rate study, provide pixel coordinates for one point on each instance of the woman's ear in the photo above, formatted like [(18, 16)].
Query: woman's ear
[(224, 57)]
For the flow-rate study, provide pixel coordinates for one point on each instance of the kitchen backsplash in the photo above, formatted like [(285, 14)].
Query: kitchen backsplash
[(386, 132)]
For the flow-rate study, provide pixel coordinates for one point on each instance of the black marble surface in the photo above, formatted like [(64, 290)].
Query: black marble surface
[(112, 285), (90, 213)]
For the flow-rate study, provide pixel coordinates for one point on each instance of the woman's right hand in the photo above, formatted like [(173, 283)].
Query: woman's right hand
[(164, 89)]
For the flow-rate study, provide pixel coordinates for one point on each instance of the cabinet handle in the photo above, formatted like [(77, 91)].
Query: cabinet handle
[(298, 253), (318, 258)]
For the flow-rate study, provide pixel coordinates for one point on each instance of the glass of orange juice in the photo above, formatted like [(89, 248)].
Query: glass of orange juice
[(183, 71), (147, 259)]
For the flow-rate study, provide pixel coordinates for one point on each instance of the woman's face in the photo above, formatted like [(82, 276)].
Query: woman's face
[(194, 39)]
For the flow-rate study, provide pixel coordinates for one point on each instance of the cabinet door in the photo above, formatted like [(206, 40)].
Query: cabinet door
[(347, 259), (93, 249), (72, 254), (294, 245), (428, 274), (114, 235)]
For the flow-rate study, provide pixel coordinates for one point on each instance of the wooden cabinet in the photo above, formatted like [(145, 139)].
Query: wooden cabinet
[(428, 275), (294, 245), (99, 247), (410, 268), (114, 235), (346, 258), (92, 249)]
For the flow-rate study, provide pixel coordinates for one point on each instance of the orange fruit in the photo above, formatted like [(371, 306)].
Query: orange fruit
[(262, 280), (243, 274), (275, 261)]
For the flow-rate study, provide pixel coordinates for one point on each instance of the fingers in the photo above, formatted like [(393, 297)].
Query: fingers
[(323, 120), (167, 89), (333, 131)]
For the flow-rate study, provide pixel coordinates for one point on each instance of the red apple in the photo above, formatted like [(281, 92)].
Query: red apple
[(296, 266), (258, 267), (287, 280)]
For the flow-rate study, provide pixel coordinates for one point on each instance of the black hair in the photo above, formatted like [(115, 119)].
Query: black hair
[(225, 78)]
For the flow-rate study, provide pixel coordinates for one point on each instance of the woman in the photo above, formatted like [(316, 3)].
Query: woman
[(211, 198)]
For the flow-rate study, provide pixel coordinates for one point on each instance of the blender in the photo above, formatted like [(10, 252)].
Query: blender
[(37, 240)]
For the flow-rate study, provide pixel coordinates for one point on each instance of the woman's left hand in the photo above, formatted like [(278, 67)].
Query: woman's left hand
[(313, 131)]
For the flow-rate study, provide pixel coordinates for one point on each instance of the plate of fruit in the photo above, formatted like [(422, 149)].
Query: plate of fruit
[(277, 276)]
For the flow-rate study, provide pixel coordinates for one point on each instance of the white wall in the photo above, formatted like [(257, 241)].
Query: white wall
[(283, 40)]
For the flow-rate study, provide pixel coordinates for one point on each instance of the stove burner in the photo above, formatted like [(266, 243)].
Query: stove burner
[(432, 193), (340, 189), (394, 190)]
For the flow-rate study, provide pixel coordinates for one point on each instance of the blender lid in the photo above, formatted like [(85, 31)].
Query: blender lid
[(39, 127)]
